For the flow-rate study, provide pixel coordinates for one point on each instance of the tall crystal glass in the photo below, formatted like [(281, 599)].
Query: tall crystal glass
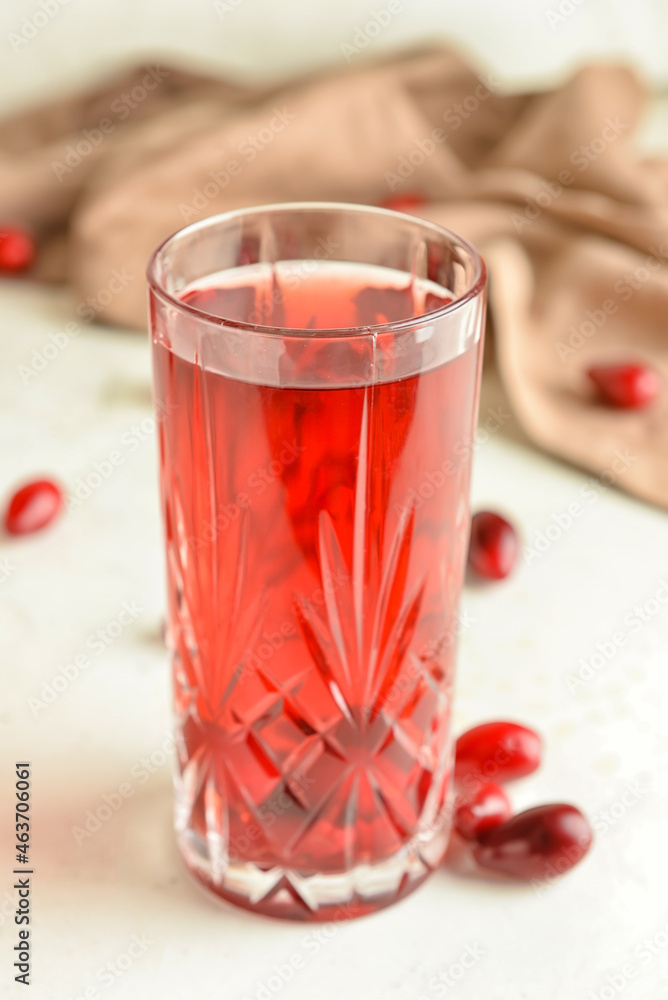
[(316, 380)]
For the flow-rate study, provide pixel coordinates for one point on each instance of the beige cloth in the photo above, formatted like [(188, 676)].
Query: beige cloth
[(573, 224)]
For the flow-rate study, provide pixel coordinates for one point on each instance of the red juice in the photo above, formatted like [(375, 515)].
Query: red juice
[(316, 540)]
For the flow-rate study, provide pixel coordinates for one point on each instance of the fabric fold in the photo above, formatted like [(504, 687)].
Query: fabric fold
[(572, 220)]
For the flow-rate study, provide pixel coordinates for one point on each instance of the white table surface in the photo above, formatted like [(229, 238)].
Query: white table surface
[(90, 900)]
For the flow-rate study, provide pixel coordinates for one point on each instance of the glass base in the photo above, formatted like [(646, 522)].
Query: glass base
[(283, 892)]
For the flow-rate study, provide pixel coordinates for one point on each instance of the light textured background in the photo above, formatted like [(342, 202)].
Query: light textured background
[(520, 657), (270, 38), (527, 638)]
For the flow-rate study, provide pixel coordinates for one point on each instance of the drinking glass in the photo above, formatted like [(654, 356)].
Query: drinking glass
[(316, 373)]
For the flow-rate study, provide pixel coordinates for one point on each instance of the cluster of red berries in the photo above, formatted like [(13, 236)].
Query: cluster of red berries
[(537, 844)]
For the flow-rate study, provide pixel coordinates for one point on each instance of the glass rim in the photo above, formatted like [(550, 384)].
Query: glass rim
[(476, 286)]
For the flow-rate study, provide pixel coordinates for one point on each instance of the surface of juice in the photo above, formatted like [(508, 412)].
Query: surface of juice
[(316, 540)]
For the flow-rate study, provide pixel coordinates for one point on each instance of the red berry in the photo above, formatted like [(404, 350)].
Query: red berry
[(404, 202), (493, 545), (496, 750), (540, 843), (629, 386), (487, 806), (33, 507), (17, 250)]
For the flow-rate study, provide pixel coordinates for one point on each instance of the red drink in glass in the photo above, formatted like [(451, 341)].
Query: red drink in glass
[(315, 498)]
